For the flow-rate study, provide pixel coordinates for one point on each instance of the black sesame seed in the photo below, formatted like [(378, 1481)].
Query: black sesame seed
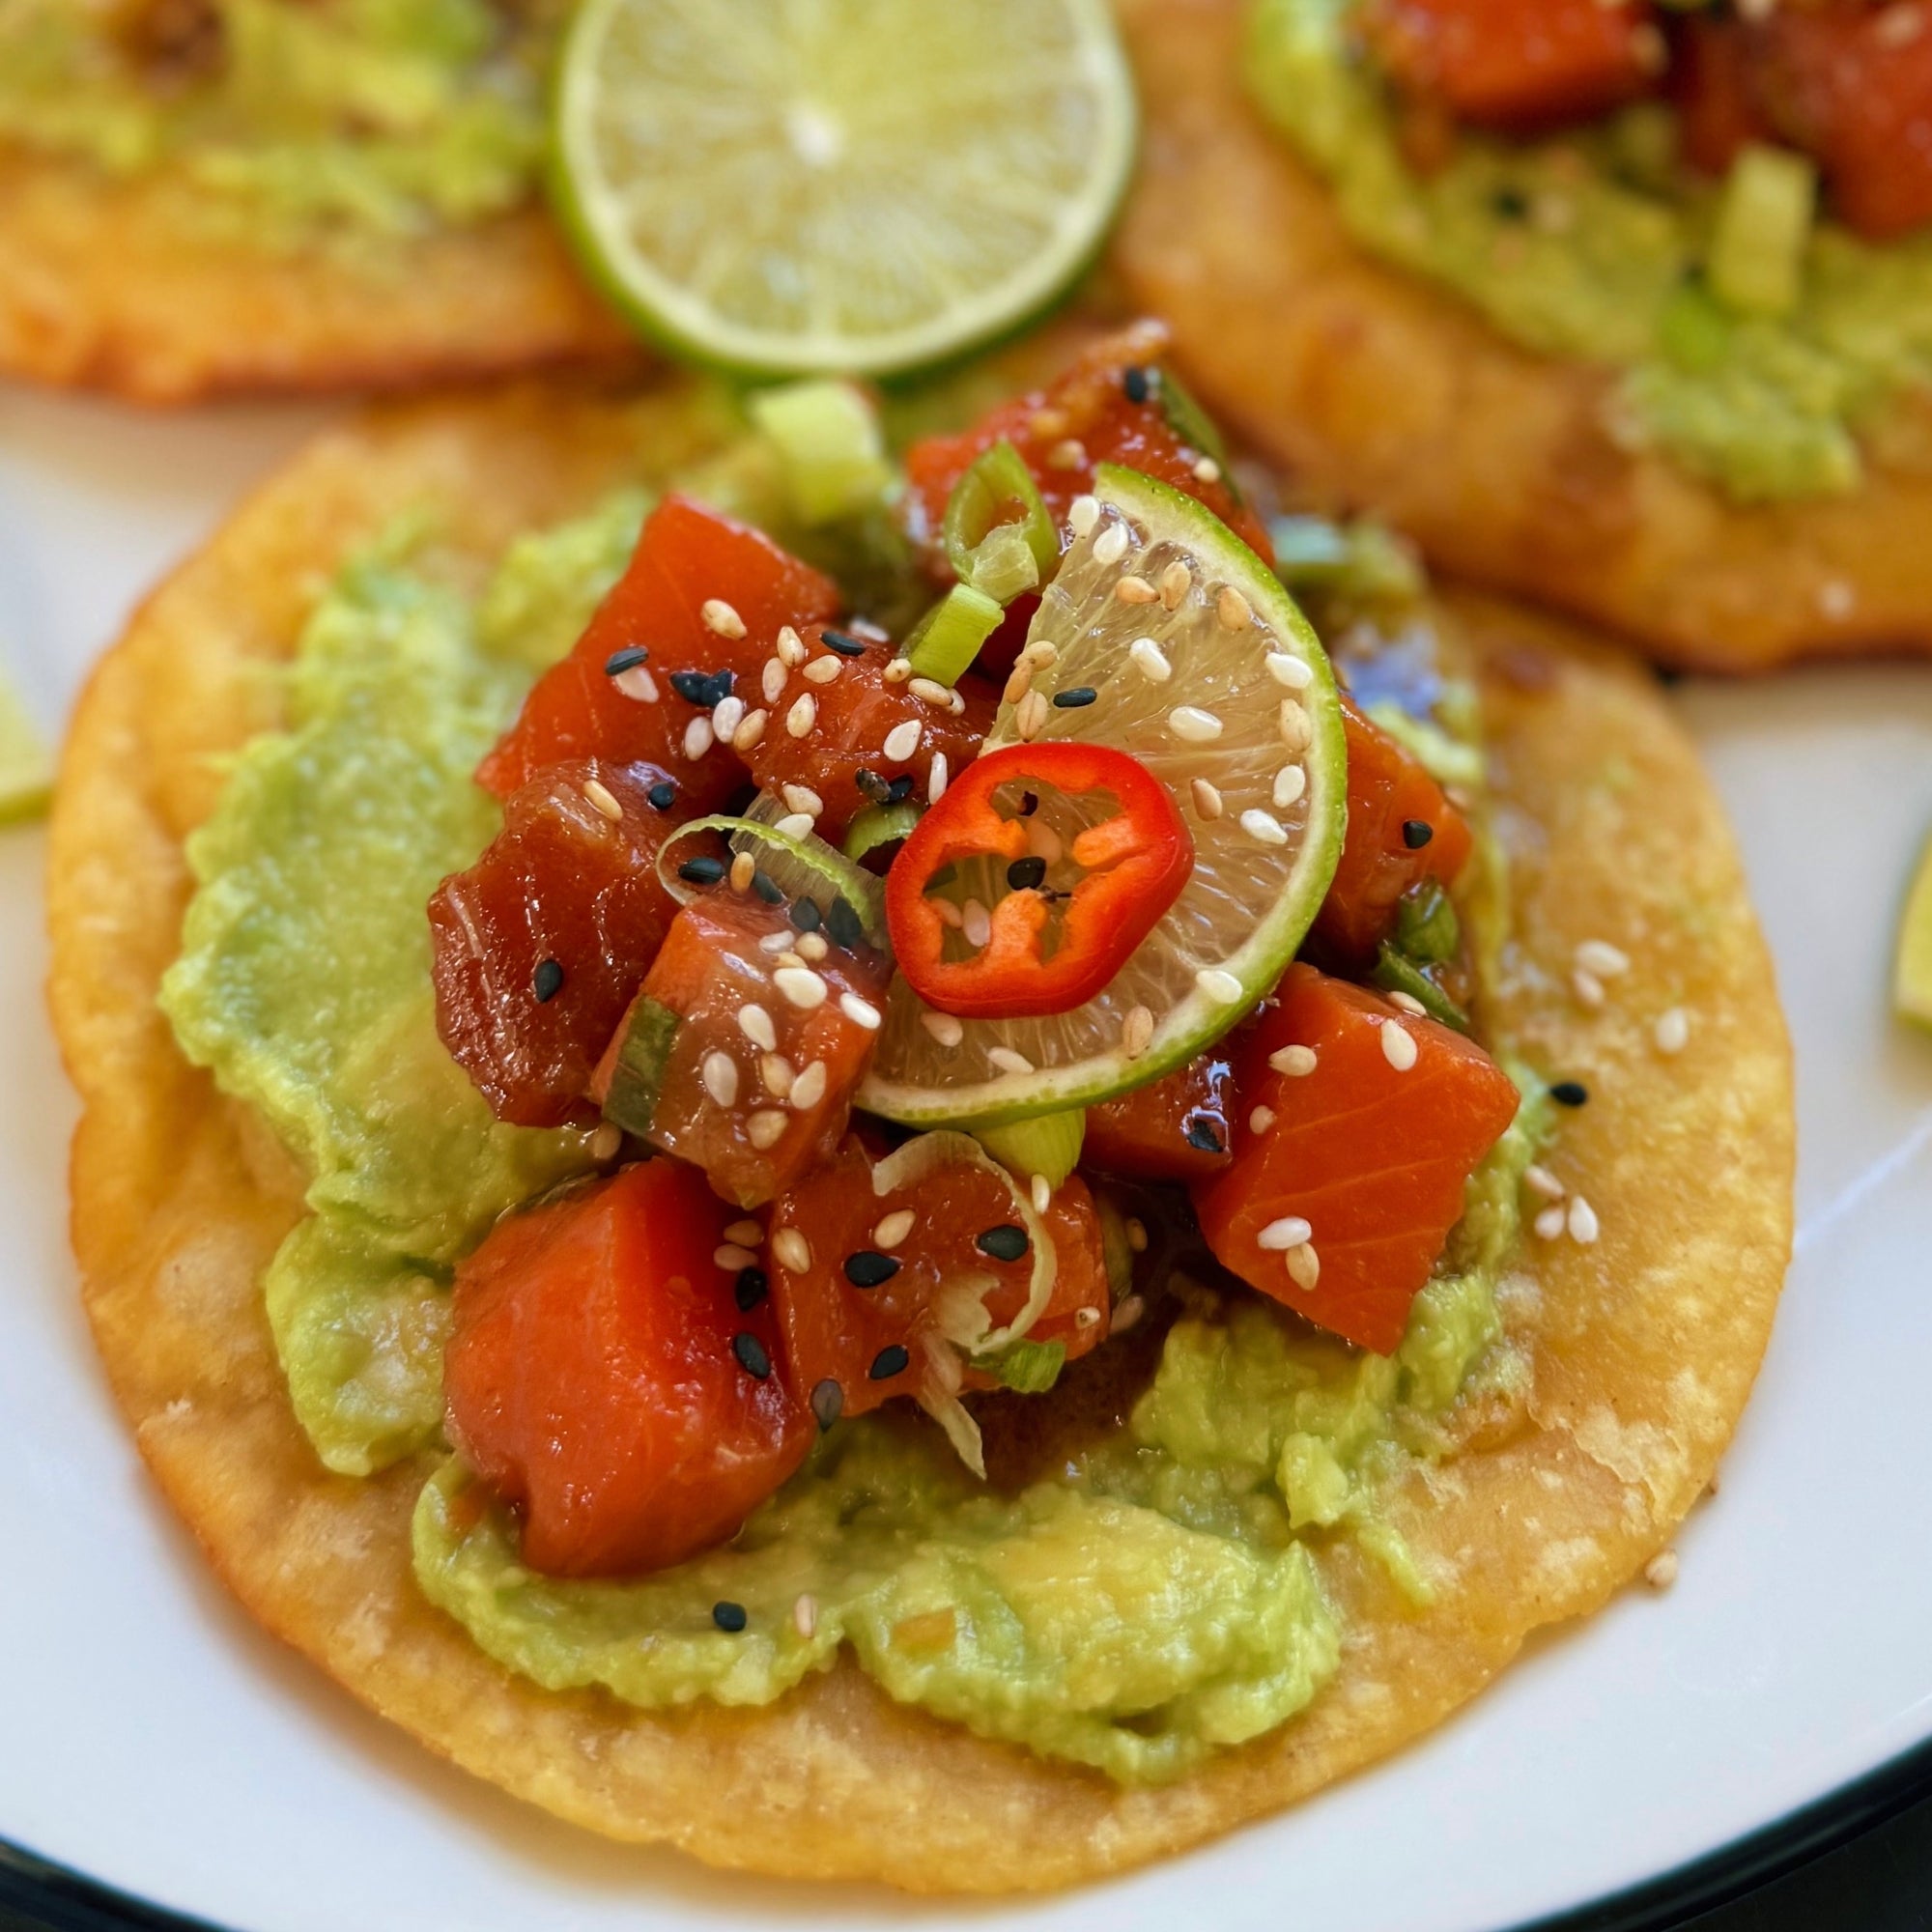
[(1023, 874), (728, 1616), (804, 915), (1511, 203), (888, 1363), (750, 1289), (620, 662), (869, 1269), (662, 795), (768, 889), (900, 790), (845, 925), (547, 982), (872, 785), (1416, 833), (1076, 700), (827, 1402), (703, 689), (844, 645), (1134, 383), (1204, 1136), (1569, 1093), (1029, 803), (1007, 1243), (702, 872), (750, 1354)]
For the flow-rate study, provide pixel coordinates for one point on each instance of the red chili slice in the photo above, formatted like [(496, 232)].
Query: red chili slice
[(1136, 862)]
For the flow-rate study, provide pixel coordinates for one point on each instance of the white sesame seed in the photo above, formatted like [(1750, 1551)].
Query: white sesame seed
[(771, 679), (801, 985), (1175, 581), (1193, 726), (756, 1024), (1837, 600), (1290, 782), (1295, 1062), (975, 923), (935, 779), (1584, 1226), (1136, 590), (894, 1228), (778, 1073), (1297, 733), (803, 716), (1207, 799), (1219, 985), (1398, 1045), (747, 1233), (790, 648), (1549, 1223), (1672, 1031), (790, 1247), (726, 715), (1136, 1032), (1232, 610), (752, 732), (1137, 1235), (1287, 669), (861, 1013), (604, 799), (808, 1089), (1266, 831), (1148, 659), (1600, 957), (765, 1128), (1587, 987), (1019, 681), (732, 1259), (1111, 545), (1540, 1180), (720, 616), (743, 866), (871, 633), (1289, 1231), (1207, 470), (1068, 455), (1261, 1120), (638, 682), (1408, 1002), (1082, 515), (1009, 1061), (930, 691), (1042, 651), (812, 945), (1660, 1572), (791, 956), (1041, 1190), (949, 914), (606, 1141), (897, 671), (947, 1029), (1043, 842), (776, 942), (804, 1614), (902, 740), (1304, 1265), (1032, 715), (822, 670), (802, 797), (698, 737), (1085, 1318), (720, 1078), (795, 824)]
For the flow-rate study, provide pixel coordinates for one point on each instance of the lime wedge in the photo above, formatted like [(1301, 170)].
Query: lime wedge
[(1911, 975), (1208, 674), (26, 765), (845, 185)]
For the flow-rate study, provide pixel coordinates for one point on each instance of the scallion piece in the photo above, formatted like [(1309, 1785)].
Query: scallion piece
[(947, 639), (1394, 972), (982, 504), (1425, 925), (1048, 1144), (827, 439), (639, 1072), (881, 825), (1029, 1368), (1764, 226)]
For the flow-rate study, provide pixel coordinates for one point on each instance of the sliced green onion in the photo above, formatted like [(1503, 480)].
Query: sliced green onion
[(1448, 761), (1764, 227), (1396, 973), (829, 442), (1361, 559), (998, 482), (1693, 331), (802, 868), (1194, 426), (881, 825), (1425, 925), (947, 639), (638, 1074), (1028, 1368), (1048, 1144), (1116, 1246)]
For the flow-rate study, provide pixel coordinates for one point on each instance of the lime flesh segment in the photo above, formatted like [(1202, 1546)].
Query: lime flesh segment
[(26, 765), (1257, 759), (838, 186), (1911, 974)]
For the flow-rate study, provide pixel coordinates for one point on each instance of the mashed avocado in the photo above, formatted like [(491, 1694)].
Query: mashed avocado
[(1592, 246), (283, 120)]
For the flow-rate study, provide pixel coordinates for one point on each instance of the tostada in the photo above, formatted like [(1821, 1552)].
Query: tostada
[(854, 1147)]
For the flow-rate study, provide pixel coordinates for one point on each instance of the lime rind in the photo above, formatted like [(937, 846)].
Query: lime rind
[(1244, 912), (945, 186), (1912, 972)]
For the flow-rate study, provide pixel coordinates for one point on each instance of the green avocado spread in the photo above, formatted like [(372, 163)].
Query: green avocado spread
[(1595, 244), (281, 120), (1150, 1592)]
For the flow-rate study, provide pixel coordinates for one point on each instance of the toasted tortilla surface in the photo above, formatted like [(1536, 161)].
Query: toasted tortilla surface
[(1644, 1343), (110, 286), (1383, 392)]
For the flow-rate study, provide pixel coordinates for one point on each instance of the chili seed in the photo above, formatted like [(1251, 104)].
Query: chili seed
[(845, 925), (728, 1616), (1202, 1134), (846, 646), (1569, 1093), (767, 889), (620, 662), (1081, 696), (1416, 833), (1005, 1243), (889, 1362), (750, 1354), (751, 1288), (662, 795), (827, 1402), (702, 872), (804, 915), (869, 1269), (1023, 874)]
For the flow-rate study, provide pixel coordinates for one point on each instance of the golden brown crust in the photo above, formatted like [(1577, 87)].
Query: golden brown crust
[(1644, 1345), (113, 287), (1383, 393)]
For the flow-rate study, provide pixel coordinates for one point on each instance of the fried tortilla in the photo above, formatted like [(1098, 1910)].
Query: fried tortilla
[(1382, 392), (1644, 1342), (109, 286)]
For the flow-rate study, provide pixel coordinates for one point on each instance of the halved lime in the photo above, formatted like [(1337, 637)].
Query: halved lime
[(1911, 974), (26, 765), (855, 186), (1207, 672)]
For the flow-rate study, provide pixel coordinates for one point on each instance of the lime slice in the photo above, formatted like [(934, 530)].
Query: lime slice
[(855, 186), (1911, 976), (26, 766), (1219, 686)]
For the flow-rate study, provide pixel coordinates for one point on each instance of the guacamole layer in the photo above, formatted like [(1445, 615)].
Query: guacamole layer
[(1593, 246)]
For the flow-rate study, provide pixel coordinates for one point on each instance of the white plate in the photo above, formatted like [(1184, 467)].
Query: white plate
[(151, 1736)]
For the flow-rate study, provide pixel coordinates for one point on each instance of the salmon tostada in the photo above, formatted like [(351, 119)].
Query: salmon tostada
[(962, 1261)]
